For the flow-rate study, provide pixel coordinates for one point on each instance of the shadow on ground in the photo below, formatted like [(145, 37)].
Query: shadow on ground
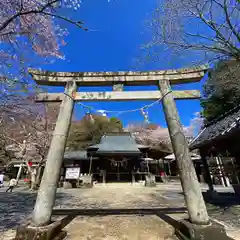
[(71, 214), (122, 211), (223, 199), (225, 208), (100, 223), (16, 207)]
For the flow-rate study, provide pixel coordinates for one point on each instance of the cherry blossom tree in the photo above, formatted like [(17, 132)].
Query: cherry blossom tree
[(26, 129), (158, 137), (31, 28), (151, 135)]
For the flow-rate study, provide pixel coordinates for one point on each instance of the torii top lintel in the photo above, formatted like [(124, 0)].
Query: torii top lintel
[(130, 78)]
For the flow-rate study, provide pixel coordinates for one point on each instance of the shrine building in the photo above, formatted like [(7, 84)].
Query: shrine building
[(117, 158)]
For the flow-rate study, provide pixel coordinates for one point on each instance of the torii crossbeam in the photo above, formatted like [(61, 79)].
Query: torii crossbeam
[(118, 80), (128, 78)]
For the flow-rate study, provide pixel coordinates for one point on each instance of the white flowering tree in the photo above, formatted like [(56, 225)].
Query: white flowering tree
[(158, 137), (151, 135), (31, 32), (25, 131), (30, 29)]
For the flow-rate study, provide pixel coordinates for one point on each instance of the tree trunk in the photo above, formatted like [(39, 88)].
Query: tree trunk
[(48, 187), (191, 188)]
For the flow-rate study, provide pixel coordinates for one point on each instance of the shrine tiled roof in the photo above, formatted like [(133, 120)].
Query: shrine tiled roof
[(221, 127), (117, 143)]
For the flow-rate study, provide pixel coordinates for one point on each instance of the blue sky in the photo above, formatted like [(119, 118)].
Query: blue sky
[(119, 29)]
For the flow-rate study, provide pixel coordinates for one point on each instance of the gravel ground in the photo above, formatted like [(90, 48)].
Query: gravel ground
[(124, 227), (15, 208)]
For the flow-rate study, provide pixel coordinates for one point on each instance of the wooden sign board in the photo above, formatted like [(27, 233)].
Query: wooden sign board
[(72, 173)]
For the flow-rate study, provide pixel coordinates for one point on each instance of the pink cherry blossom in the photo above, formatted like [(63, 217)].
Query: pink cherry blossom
[(30, 28)]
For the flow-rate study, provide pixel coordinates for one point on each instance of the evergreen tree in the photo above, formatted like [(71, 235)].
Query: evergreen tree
[(221, 91), (86, 132)]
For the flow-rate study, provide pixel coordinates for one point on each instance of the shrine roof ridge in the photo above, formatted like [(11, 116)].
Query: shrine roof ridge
[(219, 128)]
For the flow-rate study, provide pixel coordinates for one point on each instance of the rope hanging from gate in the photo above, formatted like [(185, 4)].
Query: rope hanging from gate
[(141, 109)]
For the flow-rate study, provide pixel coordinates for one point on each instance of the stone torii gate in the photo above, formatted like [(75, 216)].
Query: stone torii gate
[(163, 79)]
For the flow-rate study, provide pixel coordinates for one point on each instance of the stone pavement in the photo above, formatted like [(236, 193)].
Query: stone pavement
[(15, 208)]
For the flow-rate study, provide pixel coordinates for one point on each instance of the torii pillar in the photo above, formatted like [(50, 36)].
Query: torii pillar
[(41, 227), (47, 191), (191, 188)]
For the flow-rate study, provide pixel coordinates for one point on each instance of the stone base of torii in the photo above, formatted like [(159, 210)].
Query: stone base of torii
[(198, 226)]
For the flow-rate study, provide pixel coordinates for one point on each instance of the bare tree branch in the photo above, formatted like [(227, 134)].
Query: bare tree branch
[(207, 26), (34, 11), (225, 7), (77, 23)]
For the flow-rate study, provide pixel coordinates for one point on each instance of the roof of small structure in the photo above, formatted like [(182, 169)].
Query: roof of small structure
[(221, 127), (171, 157), (75, 155), (117, 143), (68, 155)]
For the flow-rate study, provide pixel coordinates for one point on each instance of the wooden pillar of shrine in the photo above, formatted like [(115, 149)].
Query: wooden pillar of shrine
[(47, 191), (104, 176), (191, 188), (206, 171)]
